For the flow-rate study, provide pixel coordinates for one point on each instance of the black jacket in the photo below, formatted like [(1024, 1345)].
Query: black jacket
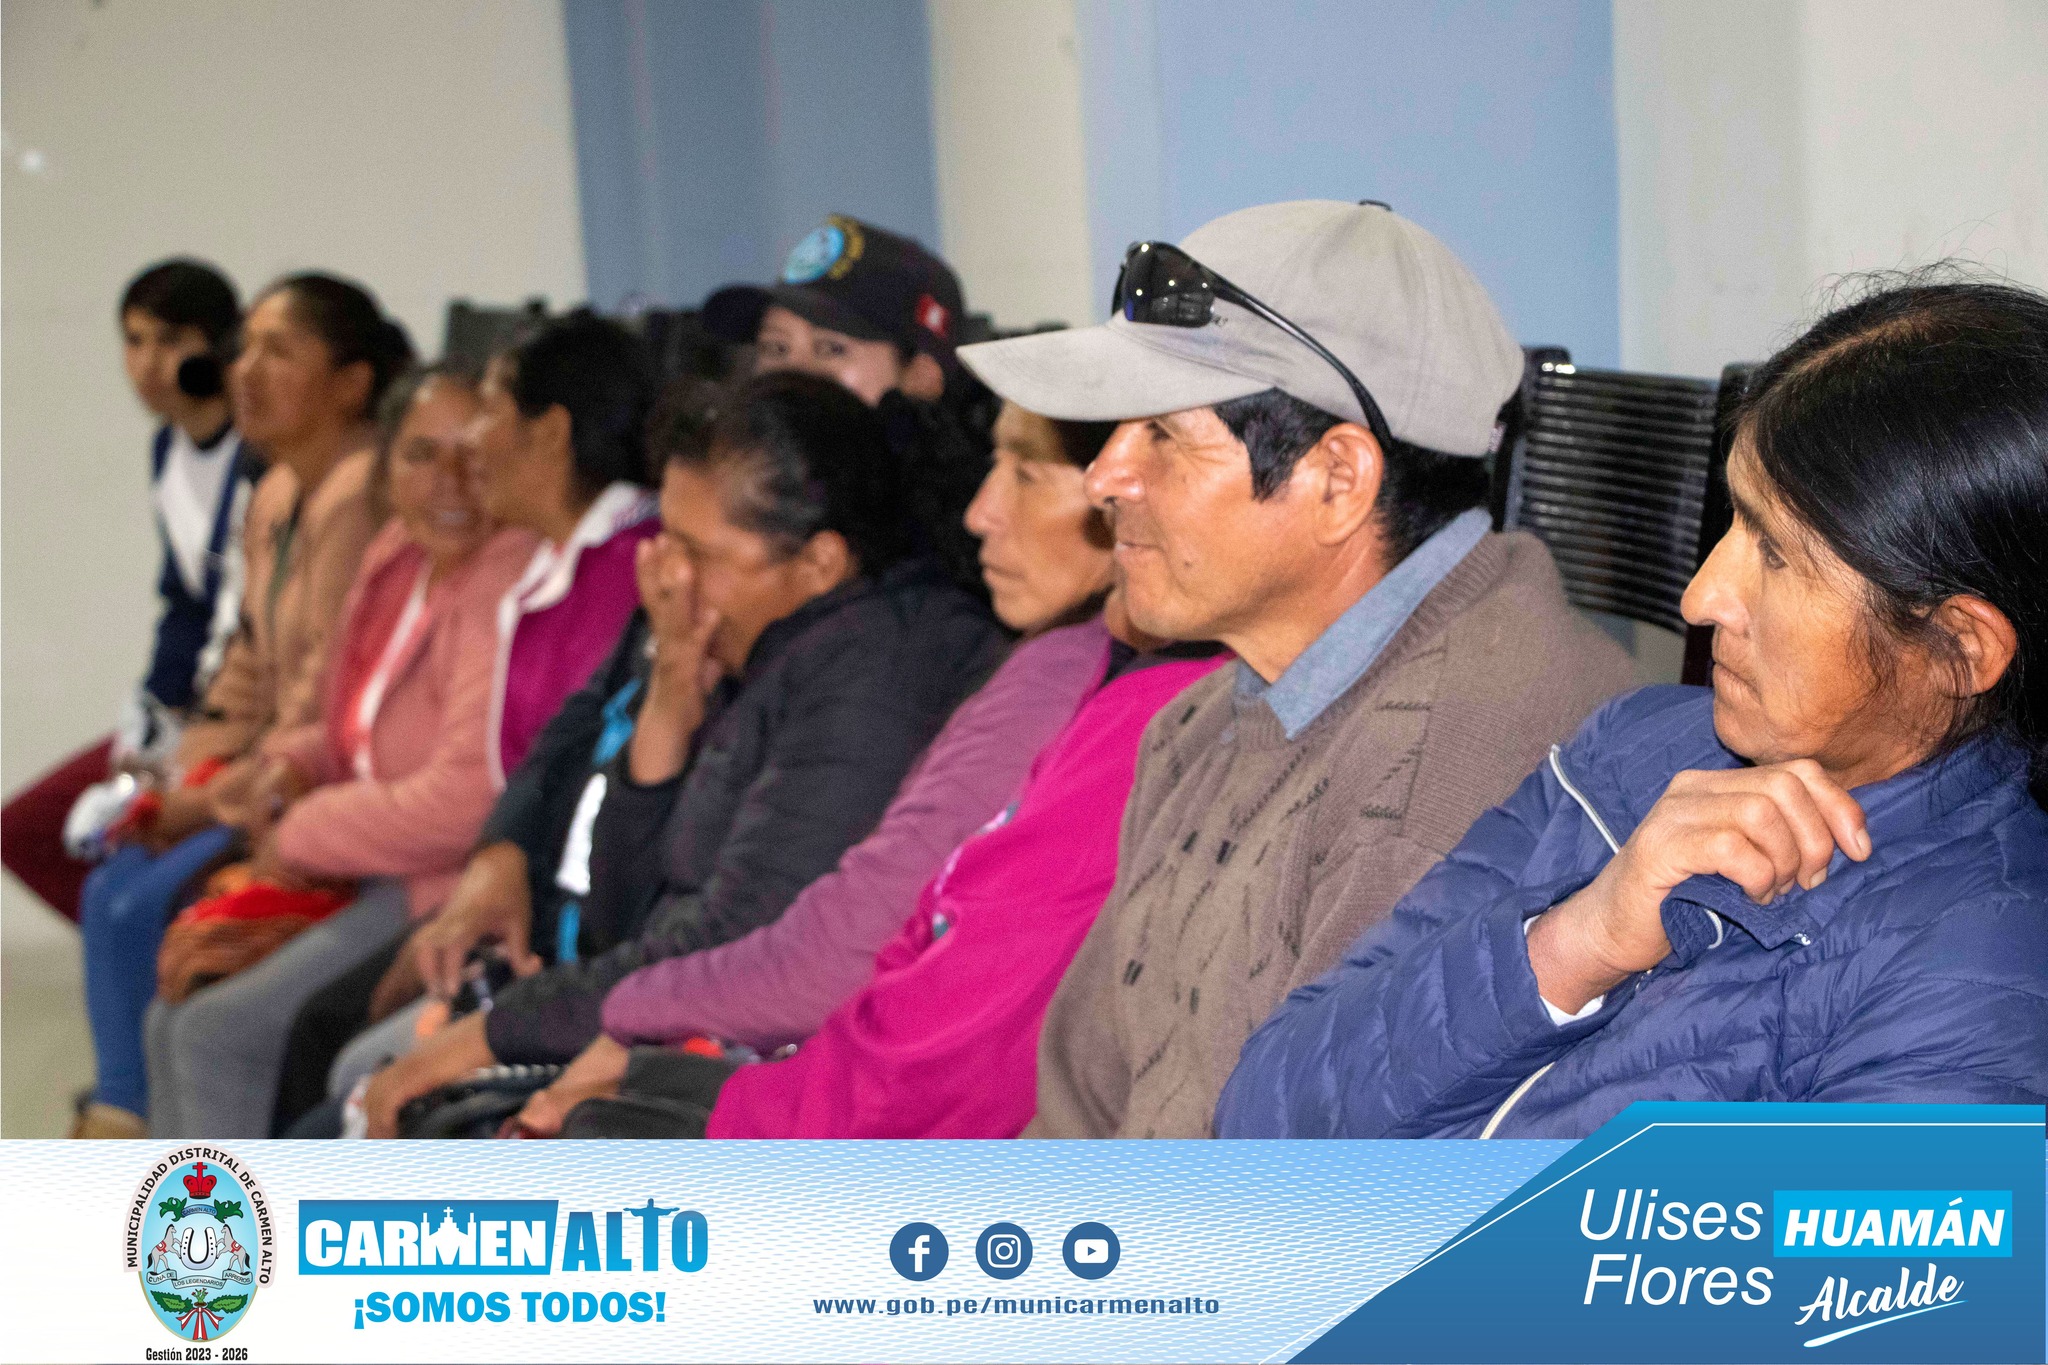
[(792, 766), (539, 801)]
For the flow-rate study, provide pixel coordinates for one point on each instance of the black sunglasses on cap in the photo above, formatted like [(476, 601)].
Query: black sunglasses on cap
[(1163, 285)]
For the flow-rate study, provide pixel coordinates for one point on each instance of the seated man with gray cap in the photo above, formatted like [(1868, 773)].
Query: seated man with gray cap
[(1308, 394)]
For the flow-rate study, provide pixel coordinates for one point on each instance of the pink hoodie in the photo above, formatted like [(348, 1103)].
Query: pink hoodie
[(417, 815), (943, 1039)]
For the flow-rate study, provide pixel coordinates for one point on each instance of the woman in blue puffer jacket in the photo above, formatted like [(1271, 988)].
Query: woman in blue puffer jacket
[(1824, 879)]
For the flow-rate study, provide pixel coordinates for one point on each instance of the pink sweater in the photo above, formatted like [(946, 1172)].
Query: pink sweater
[(943, 1039), (777, 984), (418, 814)]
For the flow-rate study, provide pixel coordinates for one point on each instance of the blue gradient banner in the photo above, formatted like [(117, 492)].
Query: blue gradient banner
[(1662, 1237), (1679, 1232)]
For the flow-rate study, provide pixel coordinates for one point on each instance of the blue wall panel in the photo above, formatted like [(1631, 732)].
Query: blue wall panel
[(610, 194), (850, 130), (711, 134), (1491, 123), (1122, 120)]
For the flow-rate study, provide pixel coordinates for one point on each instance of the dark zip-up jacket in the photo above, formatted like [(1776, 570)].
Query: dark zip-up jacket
[(793, 764)]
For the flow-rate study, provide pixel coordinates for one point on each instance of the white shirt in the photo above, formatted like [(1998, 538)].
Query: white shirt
[(1558, 1016), (187, 496)]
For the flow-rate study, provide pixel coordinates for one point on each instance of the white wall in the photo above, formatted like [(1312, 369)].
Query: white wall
[(422, 148), (1769, 146), (1926, 134), (1012, 163)]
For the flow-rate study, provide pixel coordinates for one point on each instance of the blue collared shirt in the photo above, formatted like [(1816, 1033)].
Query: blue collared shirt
[(1340, 655)]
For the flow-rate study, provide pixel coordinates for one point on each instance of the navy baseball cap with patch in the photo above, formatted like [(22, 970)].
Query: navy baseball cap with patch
[(856, 278)]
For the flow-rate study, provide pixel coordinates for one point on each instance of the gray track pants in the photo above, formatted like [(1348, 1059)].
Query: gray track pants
[(214, 1059)]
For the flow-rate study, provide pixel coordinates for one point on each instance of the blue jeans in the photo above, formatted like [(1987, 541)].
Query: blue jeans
[(122, 916)]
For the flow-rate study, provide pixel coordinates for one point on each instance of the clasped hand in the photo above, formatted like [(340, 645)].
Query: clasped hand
[(1768, 829)]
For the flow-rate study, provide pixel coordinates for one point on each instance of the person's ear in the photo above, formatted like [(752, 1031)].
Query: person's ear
[(923, 379), (1343, 472), (825, 561), (1984, 636), (551, 431), (352, 388)]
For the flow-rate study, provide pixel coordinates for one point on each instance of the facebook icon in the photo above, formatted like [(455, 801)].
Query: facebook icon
[(918, 1251)]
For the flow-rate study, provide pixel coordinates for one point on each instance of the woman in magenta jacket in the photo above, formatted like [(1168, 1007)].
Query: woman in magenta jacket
[(559, 447), (391, 784), (942, 1041)]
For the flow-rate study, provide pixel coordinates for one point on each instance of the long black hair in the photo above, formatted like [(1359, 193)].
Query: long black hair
[(1909, 432), (345, 317), (803, 455), (601, 375)]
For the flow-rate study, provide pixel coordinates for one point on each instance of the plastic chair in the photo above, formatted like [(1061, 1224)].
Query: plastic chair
[(473, 333), (1624, 477)]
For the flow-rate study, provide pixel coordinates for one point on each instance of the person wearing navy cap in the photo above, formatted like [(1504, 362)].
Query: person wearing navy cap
[(869, 309), (877, 314)]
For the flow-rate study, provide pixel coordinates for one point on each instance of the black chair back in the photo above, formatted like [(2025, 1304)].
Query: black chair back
[(473, 333), (1623, 476), (680, 344), (677, 341)]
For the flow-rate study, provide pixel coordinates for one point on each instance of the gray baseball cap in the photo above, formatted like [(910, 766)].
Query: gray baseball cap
[(1385, 296)]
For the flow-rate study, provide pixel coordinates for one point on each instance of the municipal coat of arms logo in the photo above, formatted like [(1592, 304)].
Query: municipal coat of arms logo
[(198, 1236)]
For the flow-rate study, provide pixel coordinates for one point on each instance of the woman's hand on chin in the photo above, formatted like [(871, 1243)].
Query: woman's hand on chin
[(678, 619), (684, 671), (595, 1074), (1767, 829)]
